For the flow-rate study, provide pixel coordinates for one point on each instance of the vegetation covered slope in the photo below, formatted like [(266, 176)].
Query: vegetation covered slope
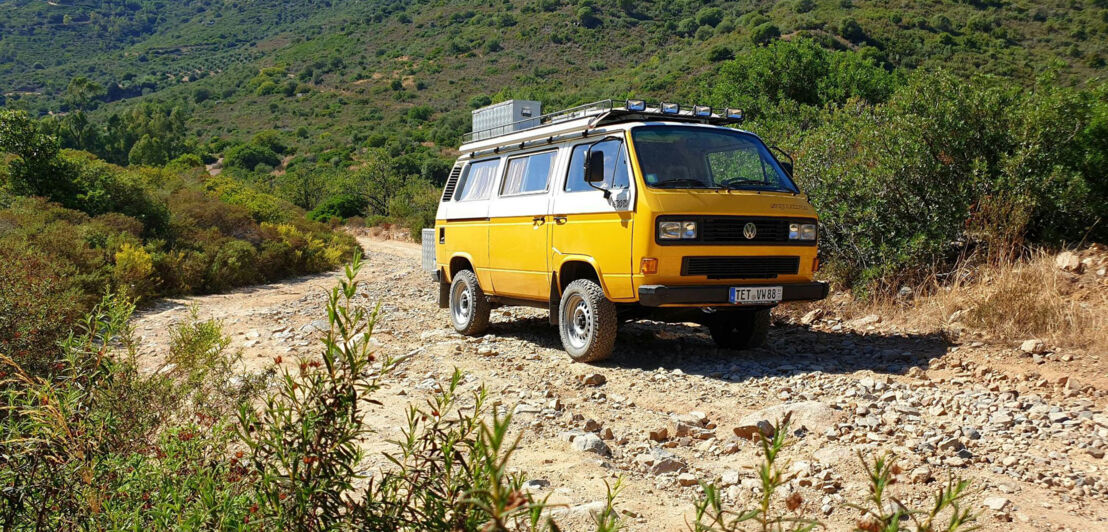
[(354, 108)]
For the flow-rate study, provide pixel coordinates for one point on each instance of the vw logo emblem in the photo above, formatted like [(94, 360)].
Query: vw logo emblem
[(750, 231)]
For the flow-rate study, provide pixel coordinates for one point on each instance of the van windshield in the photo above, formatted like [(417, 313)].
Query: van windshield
[(697, 157)]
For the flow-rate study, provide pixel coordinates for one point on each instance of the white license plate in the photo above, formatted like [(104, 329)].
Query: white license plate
[(756, 294)]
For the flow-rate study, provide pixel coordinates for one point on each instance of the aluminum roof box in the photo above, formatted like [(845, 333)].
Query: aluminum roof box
[(505, 117)]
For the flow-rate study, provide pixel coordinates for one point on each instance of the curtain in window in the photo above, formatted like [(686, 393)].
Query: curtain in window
[(513, 182), (479, 182)]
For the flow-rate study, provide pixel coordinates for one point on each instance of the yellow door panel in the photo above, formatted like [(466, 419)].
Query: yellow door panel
[(518, 256), (603, 236)]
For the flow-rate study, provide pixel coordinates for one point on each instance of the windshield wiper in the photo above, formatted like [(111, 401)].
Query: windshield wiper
[(740, 184), (677, 181)]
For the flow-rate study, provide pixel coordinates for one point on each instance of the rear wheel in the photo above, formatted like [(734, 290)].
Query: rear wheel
[(740, 329), (586, 321), (469, 308)]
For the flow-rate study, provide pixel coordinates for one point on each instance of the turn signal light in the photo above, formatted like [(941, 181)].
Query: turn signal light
[(648, 266), (815, 265)]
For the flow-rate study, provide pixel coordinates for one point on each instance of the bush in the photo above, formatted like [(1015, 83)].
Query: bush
[(235, 264), (342, 207), (132, 272), (709, 16), (249, 156), (720, 53), (975, 167), (116, 458), (39, 301), (764, 33)]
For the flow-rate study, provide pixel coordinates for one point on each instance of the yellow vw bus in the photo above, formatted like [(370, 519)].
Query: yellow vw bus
[(606, 213)]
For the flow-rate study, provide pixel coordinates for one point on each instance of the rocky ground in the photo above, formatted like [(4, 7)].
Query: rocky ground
[(1025, 422)]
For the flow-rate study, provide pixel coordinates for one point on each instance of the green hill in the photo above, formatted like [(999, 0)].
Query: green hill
[(354, 62), (353, 107)]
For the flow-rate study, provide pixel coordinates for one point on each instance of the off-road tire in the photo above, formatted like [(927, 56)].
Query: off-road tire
[(469, 308), (587, 321), (741, 329)]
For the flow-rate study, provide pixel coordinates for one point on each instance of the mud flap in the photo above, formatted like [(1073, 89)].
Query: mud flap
[(555, 299), (444, 295)]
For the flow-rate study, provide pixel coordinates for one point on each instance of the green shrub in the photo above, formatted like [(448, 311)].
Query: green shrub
[(120, 452), (709, 16), (974, 166), (233, 265), (249, 156), (185, 162), (720, 53), (342, 207), (764, 33)]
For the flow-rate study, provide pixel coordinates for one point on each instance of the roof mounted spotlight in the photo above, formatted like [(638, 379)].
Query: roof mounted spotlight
[(735, 115), (636, 105), (702, 111), (670, 108)]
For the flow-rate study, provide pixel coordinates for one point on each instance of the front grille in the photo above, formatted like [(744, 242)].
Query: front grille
[(740, 267), (728, 230)]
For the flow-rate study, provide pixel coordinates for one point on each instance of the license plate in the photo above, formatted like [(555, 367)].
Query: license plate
[(756, 294)]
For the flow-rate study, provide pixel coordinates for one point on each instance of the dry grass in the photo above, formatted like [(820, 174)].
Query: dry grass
[(1010, 302)]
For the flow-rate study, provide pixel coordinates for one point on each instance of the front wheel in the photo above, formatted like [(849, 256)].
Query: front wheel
[(469, 308), (587, 321), (741, 329)]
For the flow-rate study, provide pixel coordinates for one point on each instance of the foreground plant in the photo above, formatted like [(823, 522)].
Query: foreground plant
[(766, 516), (881, 513), (450, 471), (95, 444), (305, 442), (888, 514)]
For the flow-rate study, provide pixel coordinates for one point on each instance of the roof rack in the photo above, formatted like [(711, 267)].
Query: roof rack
[(605, 112)]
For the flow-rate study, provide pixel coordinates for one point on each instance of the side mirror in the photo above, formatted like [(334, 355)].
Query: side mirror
[(787, 165), (594, 167)]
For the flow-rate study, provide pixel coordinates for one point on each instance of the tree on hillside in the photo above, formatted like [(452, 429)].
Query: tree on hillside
[(36, 172), (81, 92), (377, 181)]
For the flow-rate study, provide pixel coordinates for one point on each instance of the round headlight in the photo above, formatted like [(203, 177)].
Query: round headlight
[(689, 230)]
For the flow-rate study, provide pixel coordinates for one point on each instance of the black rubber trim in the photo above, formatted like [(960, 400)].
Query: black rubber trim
[(656, 295)]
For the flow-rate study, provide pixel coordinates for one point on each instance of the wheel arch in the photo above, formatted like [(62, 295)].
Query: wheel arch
[(459, 262), (574, 267)]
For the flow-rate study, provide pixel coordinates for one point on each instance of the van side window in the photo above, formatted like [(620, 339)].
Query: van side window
[(528, 173), (615, 167), (478, 181)]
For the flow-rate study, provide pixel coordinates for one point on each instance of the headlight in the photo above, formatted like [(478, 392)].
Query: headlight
[(688, 230), (685, 230), (669, 230), (802, 231)]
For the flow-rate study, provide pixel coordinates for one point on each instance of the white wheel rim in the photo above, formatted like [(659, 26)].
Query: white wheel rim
[(461, 303), (577, 321)]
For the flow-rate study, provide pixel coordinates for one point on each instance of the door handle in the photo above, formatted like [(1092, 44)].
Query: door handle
[(538, 220), (559, 219)]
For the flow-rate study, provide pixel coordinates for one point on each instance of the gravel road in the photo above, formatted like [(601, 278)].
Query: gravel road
[(1028, 428)]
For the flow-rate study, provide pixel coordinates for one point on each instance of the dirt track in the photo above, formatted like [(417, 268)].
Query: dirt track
[(1030, 434)]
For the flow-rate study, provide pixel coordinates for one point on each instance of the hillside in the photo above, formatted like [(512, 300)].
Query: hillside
[(346, 66)]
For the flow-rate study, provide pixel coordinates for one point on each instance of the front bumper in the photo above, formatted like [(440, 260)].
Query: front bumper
[(656, 295)]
